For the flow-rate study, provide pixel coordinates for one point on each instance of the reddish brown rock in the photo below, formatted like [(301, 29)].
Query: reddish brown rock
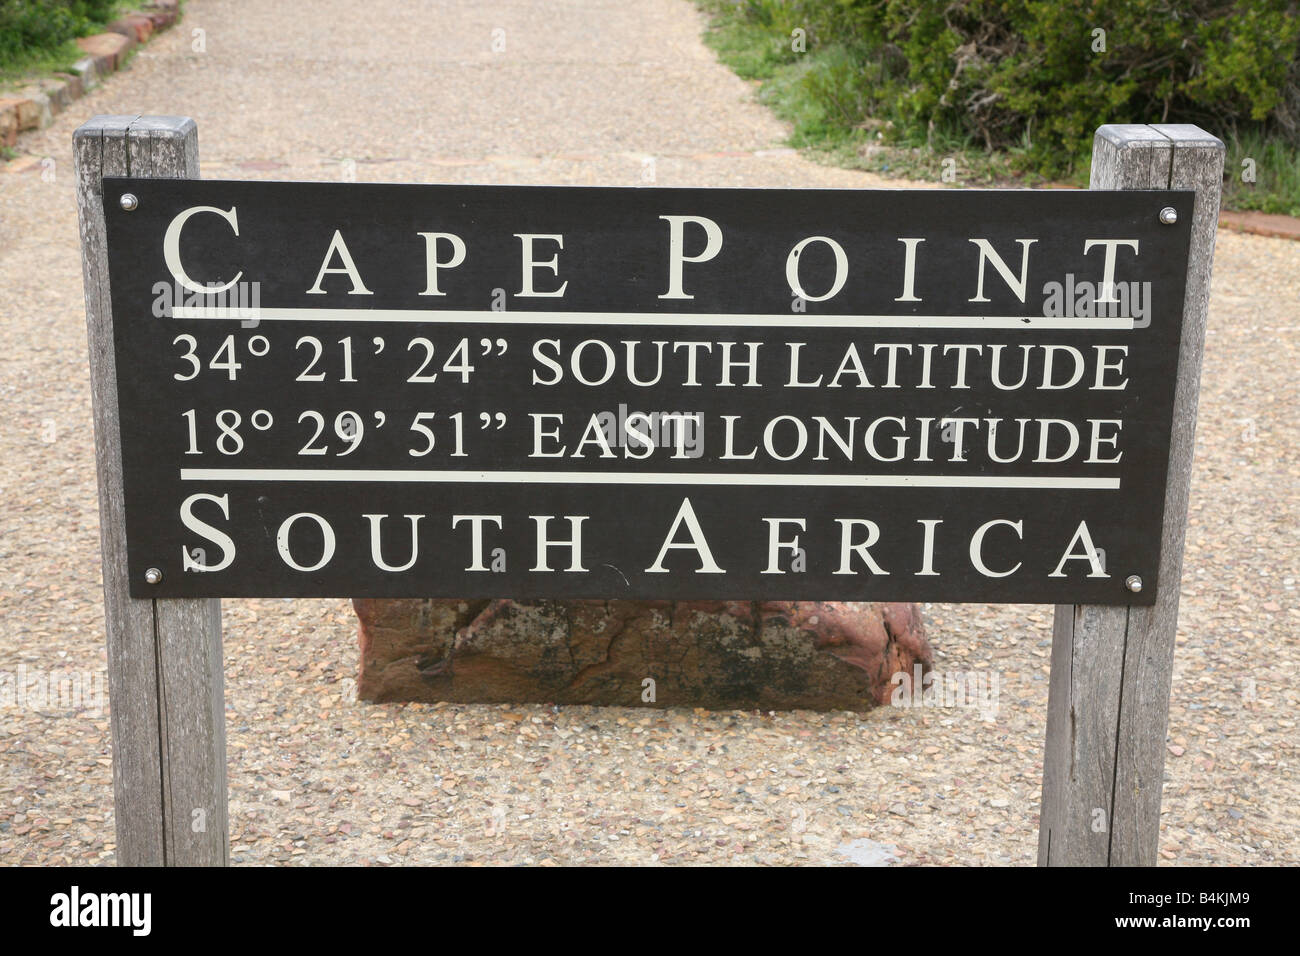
[(161, 19), (64, 90), (91, 70), (135, 26), (33, 109), (714, 654), (1262, 224), (8, 121), (107, 49), (161, 13)]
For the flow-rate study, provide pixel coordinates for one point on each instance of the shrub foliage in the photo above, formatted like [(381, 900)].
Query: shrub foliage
[(1039, 75), (37, 26)]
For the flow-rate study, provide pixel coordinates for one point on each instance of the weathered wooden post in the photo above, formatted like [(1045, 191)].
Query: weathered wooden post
[(164, 656), (1112, 665)]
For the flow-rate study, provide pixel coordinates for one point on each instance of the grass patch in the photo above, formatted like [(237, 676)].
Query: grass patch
[(1275, 167), (749, 47), (844, 109), (37, 37), (37, 63)]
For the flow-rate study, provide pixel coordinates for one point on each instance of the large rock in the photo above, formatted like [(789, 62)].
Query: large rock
[(715, 654), (107, 49)]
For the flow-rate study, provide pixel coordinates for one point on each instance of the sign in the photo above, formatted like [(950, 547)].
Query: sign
[(472, 391)]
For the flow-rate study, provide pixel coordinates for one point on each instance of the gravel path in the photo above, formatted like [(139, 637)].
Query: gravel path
[(591, 92)]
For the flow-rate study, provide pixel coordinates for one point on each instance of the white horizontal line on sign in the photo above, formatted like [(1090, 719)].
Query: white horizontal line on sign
[(689, 319), (644, 478)]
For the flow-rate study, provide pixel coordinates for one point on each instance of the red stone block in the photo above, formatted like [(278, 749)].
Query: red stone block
[(715, 654), (107, 49), (1262, 224), (33, 110), (161, 19), (135, 26), (73, 87), (8, 121)]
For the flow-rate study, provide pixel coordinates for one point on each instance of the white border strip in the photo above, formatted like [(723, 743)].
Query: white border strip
[(644, 478), (687, 319)]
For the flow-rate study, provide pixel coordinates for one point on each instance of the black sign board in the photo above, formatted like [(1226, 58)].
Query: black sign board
[(479, 391)]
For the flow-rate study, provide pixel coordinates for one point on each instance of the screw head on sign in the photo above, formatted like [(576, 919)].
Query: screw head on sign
[(1169, 215), (153, 576), (1133, 583), (128, 201)]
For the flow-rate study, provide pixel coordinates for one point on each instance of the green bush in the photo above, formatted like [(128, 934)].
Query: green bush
[(1040, 75), (32, 27)]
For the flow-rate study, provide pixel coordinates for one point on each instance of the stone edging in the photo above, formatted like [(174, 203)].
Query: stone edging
[(1261, 224), (36, 105)]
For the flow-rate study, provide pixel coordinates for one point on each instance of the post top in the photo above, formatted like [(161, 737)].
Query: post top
[(98, 125), (1161, 135)]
